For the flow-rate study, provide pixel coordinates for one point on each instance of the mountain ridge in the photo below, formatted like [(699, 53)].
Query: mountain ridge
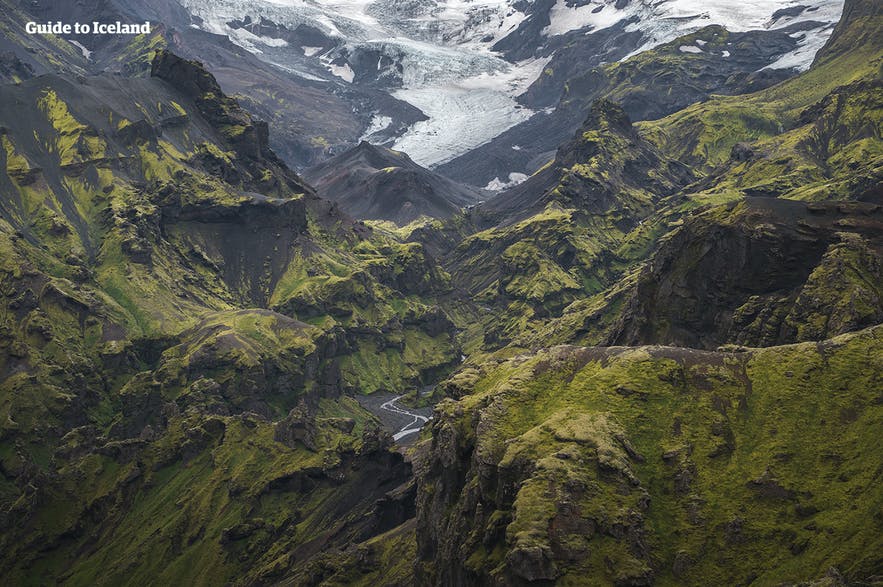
[(197, 347), (375, 183)]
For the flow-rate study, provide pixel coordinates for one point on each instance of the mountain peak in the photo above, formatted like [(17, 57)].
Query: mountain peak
[(373, 182), (187, 76)]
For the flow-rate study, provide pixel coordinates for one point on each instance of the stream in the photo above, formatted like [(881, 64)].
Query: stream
[(403, 422), (414, 426)]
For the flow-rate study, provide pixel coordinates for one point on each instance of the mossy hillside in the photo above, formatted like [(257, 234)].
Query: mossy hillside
[(210, 412), (834, 152), (655, 463), (765, 315), (384, 295), (549, 264), (704, 134), (245, 360), (726, 276), (158, 214), (824, 282), (244, 503), (137, 55), (556, 243), (387, 559), (91, 131), (129, 309), (57, 335), (813, 137)]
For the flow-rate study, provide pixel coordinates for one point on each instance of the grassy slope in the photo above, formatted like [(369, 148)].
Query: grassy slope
[(136, 371), (755, 466)]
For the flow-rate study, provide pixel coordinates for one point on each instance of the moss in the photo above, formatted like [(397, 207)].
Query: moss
[(684, 451)]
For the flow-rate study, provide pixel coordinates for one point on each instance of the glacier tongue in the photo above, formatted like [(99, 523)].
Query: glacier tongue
[(467, 113), (460, 120), (437, 53)]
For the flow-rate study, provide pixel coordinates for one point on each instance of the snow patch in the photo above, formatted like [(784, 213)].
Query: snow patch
[(86, 52), (689, 49), (378, 124), (310, 51), (802, 57), (250, 41), (344, 72), (564, 18), (498, 185)]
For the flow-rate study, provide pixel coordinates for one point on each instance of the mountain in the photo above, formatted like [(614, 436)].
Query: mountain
[(274, 93), (654, 360), (376, 183), (494, 75), (438, 80), (646, 465), (172, 290)]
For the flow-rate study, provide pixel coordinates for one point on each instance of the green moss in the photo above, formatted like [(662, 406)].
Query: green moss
[(72, 142), (709, 438)]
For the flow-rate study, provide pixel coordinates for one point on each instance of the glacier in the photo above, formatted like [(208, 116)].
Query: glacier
[(442, 54)]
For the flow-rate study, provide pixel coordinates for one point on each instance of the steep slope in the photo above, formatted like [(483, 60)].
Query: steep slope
[(276, 94), (646, 465), (597, 210), (649, 85), (375, 183), (760, 273), (564, 233), (183, 321), (795, 118)]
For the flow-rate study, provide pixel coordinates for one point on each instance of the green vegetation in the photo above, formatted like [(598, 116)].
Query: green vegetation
[(662, 463), (188, 336)]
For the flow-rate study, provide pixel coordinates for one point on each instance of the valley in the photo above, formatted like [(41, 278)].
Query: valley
[(442, 293)]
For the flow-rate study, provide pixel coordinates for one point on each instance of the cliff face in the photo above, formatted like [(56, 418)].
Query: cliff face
[(760, 273), (645, 465), (185, 325)]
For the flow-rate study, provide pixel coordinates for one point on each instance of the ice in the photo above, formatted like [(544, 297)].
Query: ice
[(498, 185), (460, 119), (427, 64), (802, 57), (378, 124), (249, 40), (86, 52), (564, 19), (468, 113), (444, 49)]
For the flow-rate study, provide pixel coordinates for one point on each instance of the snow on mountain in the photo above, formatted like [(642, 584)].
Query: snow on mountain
[(437, 54), (672, 19)]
